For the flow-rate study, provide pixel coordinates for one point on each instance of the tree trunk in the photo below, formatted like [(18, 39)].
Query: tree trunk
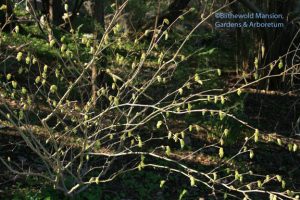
[(95, 9), (55, 12), (275, 41), (174, 10), (241, 49), (99, 12)]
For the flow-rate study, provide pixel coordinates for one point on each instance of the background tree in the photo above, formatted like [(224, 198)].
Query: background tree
[(55, 11), (276, 42), (95, 10), (6, 15)]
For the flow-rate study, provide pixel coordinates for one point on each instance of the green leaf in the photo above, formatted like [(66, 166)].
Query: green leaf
[(45, 68), (215, 99), (226, 132), (256, 63), (52, 42), (222, 115), (184, 191), (221, 152), (34, 61), (143, 57), (8, 77), (116, 101), (166, 35), (19, 56), (24, 90), (181, 17), (295, 147), (279, 141), (241, 178), (197, 78), (21, 115), (192, 181), (53, 89), (256, 135), (63, 48), (168, 150), (215, 176), (251, 154), (280, 65), (180, 90), (190, 128), (181, 143), (225, 195), (27, 60), (208, 98), (140, 143), (63, 38), (159, 123), (219, 72), (221, 142), (17, 29), (169, 135), (3, 7), (255, 75), (222, 100), (236, 175), (279, 178), (182, 134), (290, 147), (189, 107), (239, 91), (14, 84), (37, 79), (175, 137), (283, 184), (259, 184), (267, 179), (66, 6), (162, 182), (166, 21), (273, 197), (159, 79)]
